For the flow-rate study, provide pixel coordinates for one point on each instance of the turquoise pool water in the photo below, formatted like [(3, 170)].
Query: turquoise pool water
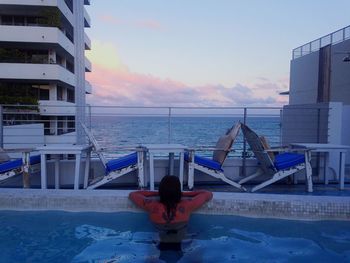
[(129, 237)]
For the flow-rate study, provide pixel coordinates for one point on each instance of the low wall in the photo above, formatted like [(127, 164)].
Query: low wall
[(296, 207)]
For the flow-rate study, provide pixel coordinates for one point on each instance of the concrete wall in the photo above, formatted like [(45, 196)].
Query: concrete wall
[(304, 73), (306, 123), (318, 123), (304, 79), (340, 78), (345, 136)]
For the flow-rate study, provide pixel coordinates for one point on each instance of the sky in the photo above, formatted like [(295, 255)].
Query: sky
[(208, 53)]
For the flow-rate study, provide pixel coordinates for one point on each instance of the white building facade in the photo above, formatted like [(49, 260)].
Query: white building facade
[(42, 59)]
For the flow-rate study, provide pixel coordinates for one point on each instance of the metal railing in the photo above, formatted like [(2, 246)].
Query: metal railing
[(196, 127), (315, 45), (193, 126)]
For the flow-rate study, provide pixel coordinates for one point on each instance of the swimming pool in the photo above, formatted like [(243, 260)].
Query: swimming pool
[(130, 237)]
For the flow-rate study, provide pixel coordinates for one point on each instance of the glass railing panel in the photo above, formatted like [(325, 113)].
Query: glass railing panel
[(338, 36), (326, 40), (315, 45), (347, 32)]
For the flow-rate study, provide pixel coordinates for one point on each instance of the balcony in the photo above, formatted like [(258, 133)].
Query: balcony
[(87, 41), (88, 66), (56, 108), (38, 72), (41, 36), (52, 3), (88, 87)]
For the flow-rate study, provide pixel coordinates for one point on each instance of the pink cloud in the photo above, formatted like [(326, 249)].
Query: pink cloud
[(149, 23), (114, 87), (115, 84), (110, 20)]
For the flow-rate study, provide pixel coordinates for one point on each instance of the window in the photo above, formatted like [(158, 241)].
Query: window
[(70, 95), (32, 21), (60, 121), (59, 60), (59, 93), (44, 94), (18, 20), (70, 36), (7, 20), (71, 123), (38, 56), (70, 66), (46, 121)]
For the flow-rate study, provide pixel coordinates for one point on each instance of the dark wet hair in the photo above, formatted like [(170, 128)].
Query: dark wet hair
[(170, 194)]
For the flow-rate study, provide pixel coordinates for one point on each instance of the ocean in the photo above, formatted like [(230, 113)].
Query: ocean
[(194, 132)]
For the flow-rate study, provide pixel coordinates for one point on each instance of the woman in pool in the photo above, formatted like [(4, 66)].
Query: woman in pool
[(171, 211)]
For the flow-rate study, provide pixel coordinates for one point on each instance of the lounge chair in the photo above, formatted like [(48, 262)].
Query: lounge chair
[(10, 168), (115, 168), (213, 167), (285, 163)]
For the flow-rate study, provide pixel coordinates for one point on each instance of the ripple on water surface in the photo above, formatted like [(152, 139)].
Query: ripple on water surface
[(129, 237)]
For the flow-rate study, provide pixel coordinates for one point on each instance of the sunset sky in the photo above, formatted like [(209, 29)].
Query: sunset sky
[(201, 52)]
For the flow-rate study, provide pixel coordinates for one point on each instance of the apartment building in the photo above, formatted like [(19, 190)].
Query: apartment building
[(43, 63)]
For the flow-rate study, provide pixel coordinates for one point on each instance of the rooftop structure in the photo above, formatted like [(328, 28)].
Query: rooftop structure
[(319, 95), (319, 71), (42, 61)]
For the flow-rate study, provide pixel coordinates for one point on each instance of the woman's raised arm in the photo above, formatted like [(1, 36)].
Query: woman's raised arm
[(199, 198), (140, 197)]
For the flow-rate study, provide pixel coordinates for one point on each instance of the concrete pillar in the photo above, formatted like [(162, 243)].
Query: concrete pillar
[(53, 92), (79, 67)]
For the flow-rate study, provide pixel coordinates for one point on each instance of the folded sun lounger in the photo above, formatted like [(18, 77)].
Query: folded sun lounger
[(285, 163), (213, 167), (116, 168), (12, 168)]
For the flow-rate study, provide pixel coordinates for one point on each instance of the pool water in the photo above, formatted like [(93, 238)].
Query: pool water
[(130, 237)]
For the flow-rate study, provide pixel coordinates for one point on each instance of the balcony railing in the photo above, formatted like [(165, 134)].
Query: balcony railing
[(315, 45)]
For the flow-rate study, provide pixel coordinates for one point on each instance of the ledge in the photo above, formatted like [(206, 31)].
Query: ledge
[(296, 207)]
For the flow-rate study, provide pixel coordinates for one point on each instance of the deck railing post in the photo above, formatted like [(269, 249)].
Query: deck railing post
[(281, 123), (318, 124), (169, 124), (89, 116), (244, 153), (1, 128)]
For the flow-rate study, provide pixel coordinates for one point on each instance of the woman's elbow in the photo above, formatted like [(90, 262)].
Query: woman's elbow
[(209, 196), (132, 195)]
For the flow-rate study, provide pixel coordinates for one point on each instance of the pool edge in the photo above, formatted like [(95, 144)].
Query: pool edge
[(286, 206)]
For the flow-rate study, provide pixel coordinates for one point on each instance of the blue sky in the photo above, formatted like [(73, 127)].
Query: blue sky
[(202, 52)]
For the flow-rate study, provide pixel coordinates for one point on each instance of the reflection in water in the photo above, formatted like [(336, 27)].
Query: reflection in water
[(110, 246)]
